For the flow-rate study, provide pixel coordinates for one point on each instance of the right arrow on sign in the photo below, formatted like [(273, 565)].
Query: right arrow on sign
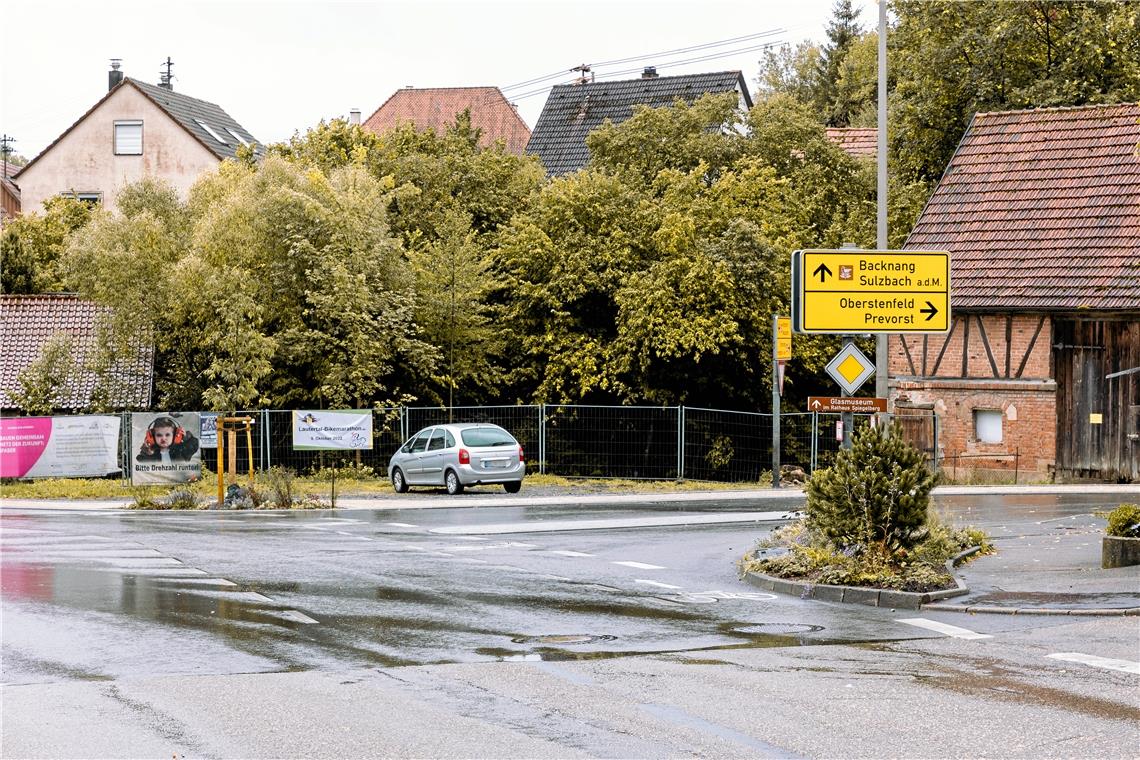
[(822, 271), (929, 311)]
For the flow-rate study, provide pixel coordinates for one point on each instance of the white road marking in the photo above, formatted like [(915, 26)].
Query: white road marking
[(640, 565), (200, 581), (548, 526), (943, 628), (1124, 666), (655, 583), (296, 616), (402, 525), (568, 553)]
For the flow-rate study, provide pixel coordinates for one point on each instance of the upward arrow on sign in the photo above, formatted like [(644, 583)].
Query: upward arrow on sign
[(822, 271)]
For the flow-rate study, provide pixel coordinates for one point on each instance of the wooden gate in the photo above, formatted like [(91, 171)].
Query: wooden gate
[(917, 424), (1098, 419)]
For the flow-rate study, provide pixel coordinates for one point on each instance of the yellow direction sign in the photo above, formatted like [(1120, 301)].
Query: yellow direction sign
[(783, 339), (852, 291)]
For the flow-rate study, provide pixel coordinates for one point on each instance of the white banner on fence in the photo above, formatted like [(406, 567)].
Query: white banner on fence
[(59, 447), (166, 448), (322, 429)]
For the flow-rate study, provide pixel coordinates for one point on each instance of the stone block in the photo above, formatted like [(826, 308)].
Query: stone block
[(1117, 551)]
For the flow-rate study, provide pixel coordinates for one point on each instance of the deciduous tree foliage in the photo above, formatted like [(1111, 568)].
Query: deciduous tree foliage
[(31, 245)]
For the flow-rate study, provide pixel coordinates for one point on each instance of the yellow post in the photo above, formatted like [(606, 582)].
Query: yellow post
[(221, 486), (249, 448)]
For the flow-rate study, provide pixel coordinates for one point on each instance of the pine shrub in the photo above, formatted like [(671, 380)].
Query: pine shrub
[(876, 497)]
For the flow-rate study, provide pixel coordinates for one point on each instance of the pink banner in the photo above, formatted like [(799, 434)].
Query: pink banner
[(59, 447)]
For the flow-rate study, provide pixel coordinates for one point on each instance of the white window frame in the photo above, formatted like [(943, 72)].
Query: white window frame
[(128, 123), (211, 132), (240, 139), (94, 197), (986, 423)]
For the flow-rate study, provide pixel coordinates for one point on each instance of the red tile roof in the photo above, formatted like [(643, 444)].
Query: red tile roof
[(856, 141), (436, 108), (1041, 211), (28, 322)]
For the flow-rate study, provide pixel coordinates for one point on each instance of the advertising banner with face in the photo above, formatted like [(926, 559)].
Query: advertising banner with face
[(165, 447)]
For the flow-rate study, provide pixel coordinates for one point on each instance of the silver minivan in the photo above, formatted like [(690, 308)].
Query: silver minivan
[(455, 456)]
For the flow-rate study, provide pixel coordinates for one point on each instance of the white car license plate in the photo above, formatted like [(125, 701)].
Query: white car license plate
[(495, 464)]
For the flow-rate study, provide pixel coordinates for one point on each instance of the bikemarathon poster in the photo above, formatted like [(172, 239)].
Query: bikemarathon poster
[(320, 429)]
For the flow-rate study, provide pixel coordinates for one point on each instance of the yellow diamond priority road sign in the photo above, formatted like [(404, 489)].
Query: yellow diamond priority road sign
[(856, 292), (850, 368)]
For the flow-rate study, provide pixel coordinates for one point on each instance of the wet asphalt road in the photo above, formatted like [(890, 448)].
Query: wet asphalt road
[(96, 604)]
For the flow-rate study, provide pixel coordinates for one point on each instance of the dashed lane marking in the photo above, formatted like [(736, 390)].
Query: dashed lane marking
[(568, 553), (402, 525), (640, 565), (1124, 666), (297, 617), (655, 583), (943, 628)]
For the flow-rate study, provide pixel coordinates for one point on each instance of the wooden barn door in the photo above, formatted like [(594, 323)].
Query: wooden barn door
[(1098, 419)]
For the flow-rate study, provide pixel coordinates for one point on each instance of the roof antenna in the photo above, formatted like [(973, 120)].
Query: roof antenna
[(165, 77), (585, 69)]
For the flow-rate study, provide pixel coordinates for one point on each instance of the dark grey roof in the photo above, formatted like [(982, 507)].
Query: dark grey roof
[(572, 111), (187, 111)]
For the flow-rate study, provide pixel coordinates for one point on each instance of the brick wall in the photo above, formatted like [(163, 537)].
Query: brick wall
[(991, 381), (1028, 422)]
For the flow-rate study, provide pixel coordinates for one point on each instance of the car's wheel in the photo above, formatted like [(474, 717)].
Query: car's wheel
[(398, 483), (454, 485), (513, 486)]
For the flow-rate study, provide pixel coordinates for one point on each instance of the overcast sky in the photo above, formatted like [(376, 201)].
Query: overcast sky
[(278, 67)]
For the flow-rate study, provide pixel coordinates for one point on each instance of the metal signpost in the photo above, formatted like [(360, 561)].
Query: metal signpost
[(781, 352)]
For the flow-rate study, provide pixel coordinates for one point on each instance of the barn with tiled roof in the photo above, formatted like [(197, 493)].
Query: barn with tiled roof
[(436, 108), (1040, 211), (28, 323)]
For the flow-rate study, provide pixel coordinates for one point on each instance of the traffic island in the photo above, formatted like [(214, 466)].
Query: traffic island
[(873, 597)]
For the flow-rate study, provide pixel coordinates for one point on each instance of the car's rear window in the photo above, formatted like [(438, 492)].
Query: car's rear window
[(476, 437)]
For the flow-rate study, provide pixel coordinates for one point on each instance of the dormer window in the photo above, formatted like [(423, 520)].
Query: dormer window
[(128, 138), (211, 132)]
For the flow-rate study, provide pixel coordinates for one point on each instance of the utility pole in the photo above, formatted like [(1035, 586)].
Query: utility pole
[(6, 148), (882, 365)]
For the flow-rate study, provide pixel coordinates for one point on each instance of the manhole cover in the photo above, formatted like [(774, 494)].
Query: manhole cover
[(563, 639), (778, 628)]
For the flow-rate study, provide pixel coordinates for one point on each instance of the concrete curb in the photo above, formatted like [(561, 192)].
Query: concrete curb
[(909, 600), (873, 597)]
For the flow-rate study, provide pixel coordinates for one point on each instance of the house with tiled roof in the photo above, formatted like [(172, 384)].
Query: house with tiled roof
[(135, 130), (1040, 370), (29, 322), (572, 111), (436, 108), (860, 142), (9, 193)]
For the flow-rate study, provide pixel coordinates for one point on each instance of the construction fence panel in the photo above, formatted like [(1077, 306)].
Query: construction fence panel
[(726, 446), (633, 442)]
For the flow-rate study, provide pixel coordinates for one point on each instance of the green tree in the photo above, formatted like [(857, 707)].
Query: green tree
[(31, 246), (49, 383), (875, 497), (843, 31)]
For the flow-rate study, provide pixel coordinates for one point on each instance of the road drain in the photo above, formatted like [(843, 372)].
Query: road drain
[(562, 639), (778, 628)]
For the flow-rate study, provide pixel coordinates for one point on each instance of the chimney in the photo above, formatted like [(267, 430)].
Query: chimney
[(114, 76), (650, 72), (354, 117)]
